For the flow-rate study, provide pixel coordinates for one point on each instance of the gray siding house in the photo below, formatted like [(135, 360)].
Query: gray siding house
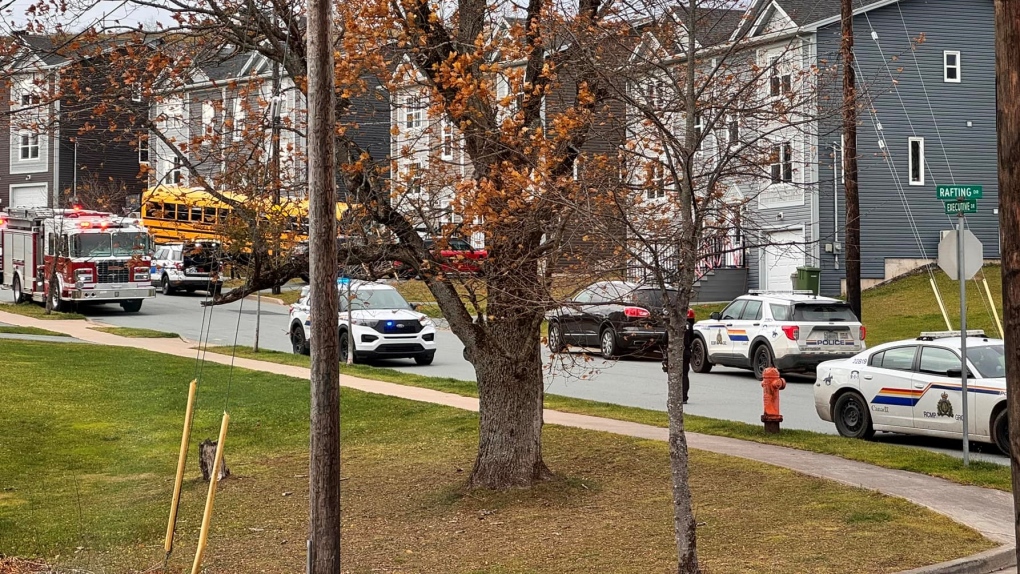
[(926, 83), (927, 74)]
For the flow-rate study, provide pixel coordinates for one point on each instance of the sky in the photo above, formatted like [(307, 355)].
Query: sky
[(14, 17)]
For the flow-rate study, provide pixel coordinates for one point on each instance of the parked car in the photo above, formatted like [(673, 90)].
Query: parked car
[(913, 387), (458, 256), (383, 324), (617, 317), (191, 266), (788, 330)]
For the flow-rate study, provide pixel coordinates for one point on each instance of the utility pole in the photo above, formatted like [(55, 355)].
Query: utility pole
[(852, 260), (274, 167), (324, 466), (1007, 63)]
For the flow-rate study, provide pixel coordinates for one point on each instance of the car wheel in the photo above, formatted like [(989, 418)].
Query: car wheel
[(1000, 432), (699, 356), (19, 295), (556, 344), (132, 305), (608, 346), (344, 350), (762, 360), (298, 341), (165, 286), (852, 417), (425, 358)]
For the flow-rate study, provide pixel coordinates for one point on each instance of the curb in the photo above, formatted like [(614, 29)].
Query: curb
[(985, 562), (266, 298)]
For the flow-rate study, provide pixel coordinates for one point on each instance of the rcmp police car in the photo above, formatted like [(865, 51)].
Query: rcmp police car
[(913, 387), (792, 331)]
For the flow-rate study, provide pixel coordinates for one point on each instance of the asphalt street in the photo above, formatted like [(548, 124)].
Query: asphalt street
[(728, 394)]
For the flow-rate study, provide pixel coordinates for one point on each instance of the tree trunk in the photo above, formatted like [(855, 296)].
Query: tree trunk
[(324, 465), (684, 521), (510, 398), (852, 259), (1007, 64), (207, 459)]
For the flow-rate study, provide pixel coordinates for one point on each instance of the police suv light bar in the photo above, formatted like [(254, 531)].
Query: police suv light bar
[(786, 292), (930, 335)]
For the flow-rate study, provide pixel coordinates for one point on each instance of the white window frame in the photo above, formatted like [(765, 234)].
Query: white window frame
[(699, 131), (946, 67), (143, 149), (136, 92), (208, 120), (780, 80), (413, 115), (175, 173), (657, 188), (781, 167), (917, 161), (414, 179), (28, 146), (732, 131), (240, 116), (446, 140)]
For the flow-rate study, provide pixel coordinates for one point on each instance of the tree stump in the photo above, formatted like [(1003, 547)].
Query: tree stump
[(207, 458)]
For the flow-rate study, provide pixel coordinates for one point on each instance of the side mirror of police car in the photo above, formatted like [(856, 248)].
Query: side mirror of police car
[(715, 316)]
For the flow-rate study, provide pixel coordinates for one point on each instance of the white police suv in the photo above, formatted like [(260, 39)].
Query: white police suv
[(792, 331), (914, 386), (382, 323)]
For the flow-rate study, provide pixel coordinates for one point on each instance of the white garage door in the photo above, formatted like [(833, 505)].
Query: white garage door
[(783, 255), (29, 196)]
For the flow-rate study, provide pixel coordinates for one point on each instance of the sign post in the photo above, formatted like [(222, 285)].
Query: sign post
[(961, 200), (963, 335)]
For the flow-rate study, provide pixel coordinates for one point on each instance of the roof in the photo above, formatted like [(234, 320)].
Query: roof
[(225, 65), (44, 48)]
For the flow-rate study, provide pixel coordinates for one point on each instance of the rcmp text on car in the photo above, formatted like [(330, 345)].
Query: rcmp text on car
[(914, 386)]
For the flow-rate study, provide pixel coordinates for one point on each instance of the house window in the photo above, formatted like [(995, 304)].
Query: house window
[(782, 163), (779, 82), (414, 178), (916, 147), (143, 149), (653, 94), (447, 150), (412, 120), (657, 184), (176, 175), (951, 66), (239, 117), (30, 99), (208, 117), (29, 146), (136, 92), (733, 131)]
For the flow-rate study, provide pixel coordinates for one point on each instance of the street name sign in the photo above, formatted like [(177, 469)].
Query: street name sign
[(954, 192), (957, 206)]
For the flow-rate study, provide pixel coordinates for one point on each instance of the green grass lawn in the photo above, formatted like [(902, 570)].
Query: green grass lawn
[(885, 455), (903, 308), (88, 457), (37, 311), (30, 331), (136, 333)]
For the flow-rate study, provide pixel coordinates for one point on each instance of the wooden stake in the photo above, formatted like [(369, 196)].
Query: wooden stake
[(991, 302), (203, 538), (942, 307), (181, 459)]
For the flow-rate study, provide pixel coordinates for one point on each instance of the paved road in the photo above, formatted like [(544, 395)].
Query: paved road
[(729, 394)]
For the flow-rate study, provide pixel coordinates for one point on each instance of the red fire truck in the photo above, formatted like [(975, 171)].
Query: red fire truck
[(99, 257)]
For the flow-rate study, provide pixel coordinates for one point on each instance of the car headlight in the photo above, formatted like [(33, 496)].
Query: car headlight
[(426, 321), (83, 275)]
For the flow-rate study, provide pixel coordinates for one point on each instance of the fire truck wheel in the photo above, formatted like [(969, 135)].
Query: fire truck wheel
[(55, 303), (132, 305), (165, 286), (19, 295)]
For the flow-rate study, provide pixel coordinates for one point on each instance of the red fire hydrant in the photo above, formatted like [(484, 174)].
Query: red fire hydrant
[(771, 384)]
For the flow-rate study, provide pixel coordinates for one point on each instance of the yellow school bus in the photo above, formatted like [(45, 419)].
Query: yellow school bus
[(174, 214)]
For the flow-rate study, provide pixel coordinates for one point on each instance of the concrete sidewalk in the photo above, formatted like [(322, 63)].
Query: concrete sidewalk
[(988, 511)]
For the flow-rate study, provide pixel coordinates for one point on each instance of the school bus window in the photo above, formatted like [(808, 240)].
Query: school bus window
[(196, 214), (223, 214), (169, 211), (152, 209), (210, 215), (182, 212)]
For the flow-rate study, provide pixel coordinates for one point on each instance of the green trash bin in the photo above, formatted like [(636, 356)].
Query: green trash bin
[(808, 279)]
